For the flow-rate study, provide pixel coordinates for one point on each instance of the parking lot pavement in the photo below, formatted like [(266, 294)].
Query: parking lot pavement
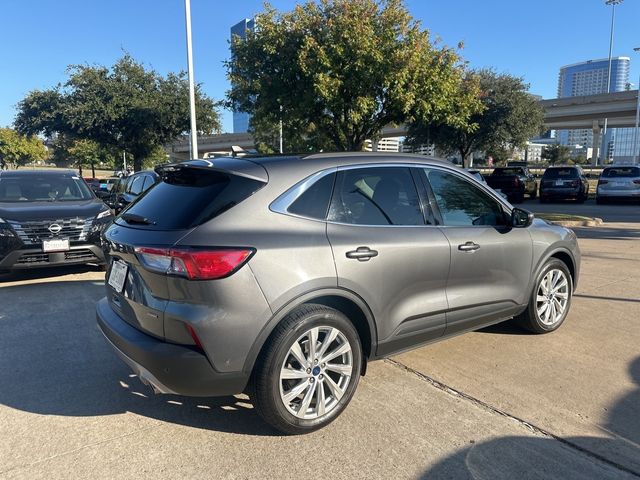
[(494, 404)]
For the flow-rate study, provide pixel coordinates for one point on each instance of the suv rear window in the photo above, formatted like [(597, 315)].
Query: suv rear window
[(188, 197), (561, 173), (621, 172)]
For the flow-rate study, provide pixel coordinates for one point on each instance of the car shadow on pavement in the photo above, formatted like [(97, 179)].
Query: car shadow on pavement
[(548, 458), (55, 361), (45, 273), (507, 327)]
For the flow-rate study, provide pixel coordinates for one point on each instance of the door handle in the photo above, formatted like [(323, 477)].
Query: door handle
[(362, 254), (468, 247)]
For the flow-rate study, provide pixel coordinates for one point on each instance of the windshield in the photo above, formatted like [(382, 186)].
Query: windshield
[(561, 173), (45, 188)]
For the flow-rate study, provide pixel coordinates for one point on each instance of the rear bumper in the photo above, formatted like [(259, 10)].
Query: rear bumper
[(610, 193), (167, 367), (560, 192)]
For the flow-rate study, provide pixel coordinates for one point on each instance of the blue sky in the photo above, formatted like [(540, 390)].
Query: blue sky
[(532, 39)]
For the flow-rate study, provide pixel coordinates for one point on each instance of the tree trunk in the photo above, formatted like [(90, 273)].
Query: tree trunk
[(93, 170)]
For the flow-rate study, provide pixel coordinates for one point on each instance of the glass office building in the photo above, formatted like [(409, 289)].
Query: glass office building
[(590, 78), (241, 119)]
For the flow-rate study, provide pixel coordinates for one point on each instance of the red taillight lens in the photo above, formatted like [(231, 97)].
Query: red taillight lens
[(637, 182), (195, 264)]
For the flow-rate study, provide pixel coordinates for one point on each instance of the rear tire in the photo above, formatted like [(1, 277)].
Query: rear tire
[(550, 300), (290, 373)]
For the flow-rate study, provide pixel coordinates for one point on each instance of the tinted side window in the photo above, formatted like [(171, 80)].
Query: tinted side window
[(136, 185), (376, 196), (148, 181), (314, 202), (462, 203)]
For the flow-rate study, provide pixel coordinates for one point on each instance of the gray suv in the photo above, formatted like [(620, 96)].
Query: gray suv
[(283, 277)]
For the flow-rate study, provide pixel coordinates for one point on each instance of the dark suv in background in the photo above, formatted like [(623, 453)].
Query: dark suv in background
[(283, 276), (564, 183), (129, 188), (49, 218)]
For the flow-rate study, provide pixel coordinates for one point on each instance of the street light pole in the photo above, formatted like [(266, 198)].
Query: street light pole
[(636, 133), (613, 3), (192, 90)]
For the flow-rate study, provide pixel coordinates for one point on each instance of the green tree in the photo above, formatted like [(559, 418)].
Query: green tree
[(125, 107), (509, 116), (19, 149), (341, 70), (556, 154)]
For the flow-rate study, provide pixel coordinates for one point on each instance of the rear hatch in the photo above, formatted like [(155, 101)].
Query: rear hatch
[(620, 179), (141, 244), (560, 178)]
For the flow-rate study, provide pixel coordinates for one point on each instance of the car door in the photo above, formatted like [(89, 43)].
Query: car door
[(385, 253), (490, 261)]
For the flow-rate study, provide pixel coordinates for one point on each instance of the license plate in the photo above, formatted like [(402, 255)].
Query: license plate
[(118, 275), (559, 183), (617, 184), (55, 245)]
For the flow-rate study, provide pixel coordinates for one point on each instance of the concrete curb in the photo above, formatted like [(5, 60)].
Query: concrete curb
[(591, 222)]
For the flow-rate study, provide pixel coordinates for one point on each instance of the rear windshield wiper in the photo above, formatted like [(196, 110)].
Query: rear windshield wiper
[(136, 219)]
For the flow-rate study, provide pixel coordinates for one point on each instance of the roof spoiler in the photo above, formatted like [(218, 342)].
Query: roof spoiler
[(228, 165)]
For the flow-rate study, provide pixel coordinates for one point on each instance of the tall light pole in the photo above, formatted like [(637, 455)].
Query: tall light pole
[(636, 133), (192, 89), (613, 3)]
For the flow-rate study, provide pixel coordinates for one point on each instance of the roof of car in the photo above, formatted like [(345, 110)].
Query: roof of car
[(353, 158), (38, 173)]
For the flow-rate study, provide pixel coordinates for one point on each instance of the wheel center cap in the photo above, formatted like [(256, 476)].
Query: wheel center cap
[(316, 370)]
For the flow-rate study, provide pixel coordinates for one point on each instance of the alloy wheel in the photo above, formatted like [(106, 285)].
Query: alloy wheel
[(552, 297), (316, 372)]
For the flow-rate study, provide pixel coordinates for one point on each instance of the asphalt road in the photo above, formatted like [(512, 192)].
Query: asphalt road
[(495, 404), (614, 212)]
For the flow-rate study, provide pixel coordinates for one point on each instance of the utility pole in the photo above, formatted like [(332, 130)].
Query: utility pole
[(636, 133), (192, 90), (613, 3), (281, 149)]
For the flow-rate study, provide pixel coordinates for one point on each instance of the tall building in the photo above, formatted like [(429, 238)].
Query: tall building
[(241, 119), (590, 78)]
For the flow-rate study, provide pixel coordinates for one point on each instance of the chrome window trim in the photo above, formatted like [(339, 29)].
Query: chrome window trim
[(284, 201)]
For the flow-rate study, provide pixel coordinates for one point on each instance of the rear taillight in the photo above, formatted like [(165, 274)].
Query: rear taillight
[(516, 181), (574, 183), (637, 182), (193, 263), (602, 182)]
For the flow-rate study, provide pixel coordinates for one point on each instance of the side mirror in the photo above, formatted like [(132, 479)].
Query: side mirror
[(521, 218)]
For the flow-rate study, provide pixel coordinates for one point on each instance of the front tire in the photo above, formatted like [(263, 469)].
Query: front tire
[(309, 370), (550, 300)]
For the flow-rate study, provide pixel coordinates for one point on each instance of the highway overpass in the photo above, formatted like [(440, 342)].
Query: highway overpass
[(586, 112)]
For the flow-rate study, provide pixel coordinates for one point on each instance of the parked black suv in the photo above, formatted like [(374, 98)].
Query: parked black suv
[(566, 182), (49, 218)]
